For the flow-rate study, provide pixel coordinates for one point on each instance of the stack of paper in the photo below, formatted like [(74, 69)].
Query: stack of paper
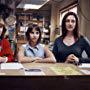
[(85, 68), (84, 65), (11, 66), (87, 72)]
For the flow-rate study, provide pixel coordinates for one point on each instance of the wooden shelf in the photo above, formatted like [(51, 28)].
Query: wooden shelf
[(29, 19)]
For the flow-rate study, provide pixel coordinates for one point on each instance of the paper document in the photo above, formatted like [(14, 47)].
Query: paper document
[(84, 65), (87, 72), (2, 74), (11, 66), (65, 71), (34, 72)]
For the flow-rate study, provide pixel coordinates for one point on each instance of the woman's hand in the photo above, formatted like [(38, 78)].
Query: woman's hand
[(3, 59), (72, 59), (37, 59)]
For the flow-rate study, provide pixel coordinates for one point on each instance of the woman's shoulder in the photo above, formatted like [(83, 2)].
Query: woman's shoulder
[(41, 45), (24, 45), (84, 39), (5, 41), (58, 39)]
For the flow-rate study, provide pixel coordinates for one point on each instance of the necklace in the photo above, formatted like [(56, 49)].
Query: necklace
[(69, 41)]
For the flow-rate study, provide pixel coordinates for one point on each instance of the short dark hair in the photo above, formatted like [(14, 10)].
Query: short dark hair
[(64, 30), (29, 30)]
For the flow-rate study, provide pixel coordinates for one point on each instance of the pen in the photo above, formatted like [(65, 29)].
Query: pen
[(33, 70)]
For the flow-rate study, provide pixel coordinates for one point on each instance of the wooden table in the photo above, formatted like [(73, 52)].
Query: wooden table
[(17, 80), (45, 67)]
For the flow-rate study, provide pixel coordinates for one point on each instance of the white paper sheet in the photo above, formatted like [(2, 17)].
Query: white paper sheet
[(11, 66), (87, 72), (84, 65)]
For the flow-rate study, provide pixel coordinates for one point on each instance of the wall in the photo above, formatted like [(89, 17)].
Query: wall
[(83, 12), (53, 20), (55, 10), (84, 15)]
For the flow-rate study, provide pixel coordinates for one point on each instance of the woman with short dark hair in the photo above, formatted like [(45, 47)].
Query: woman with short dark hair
[(30, 30), (33, 51)]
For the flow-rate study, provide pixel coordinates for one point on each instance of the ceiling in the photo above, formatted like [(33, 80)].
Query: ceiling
[(17, 5), (35, 2), (20, 3)]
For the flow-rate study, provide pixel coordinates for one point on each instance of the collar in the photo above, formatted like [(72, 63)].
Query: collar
[(30, 47)]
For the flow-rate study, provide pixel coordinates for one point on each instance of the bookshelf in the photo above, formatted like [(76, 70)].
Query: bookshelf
[(24, 20)]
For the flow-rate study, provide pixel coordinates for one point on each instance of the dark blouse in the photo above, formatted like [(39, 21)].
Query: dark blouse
[(61, 50)]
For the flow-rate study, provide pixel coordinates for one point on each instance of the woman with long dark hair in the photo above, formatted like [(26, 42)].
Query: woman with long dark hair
[(33, 51), (6, 54), (70, 45)]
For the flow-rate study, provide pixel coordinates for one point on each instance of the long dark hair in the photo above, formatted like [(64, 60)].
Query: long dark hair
[(64, 30), (3, 33), (29, 30)]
